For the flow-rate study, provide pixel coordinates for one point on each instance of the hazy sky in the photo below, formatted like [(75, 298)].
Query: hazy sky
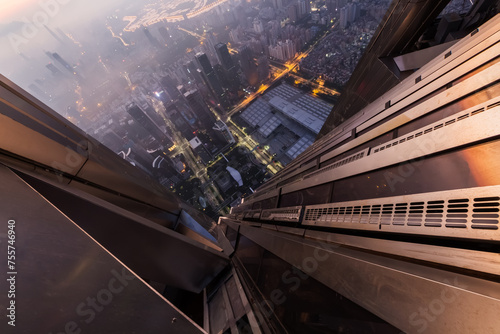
[(11, 9), (22, 27)]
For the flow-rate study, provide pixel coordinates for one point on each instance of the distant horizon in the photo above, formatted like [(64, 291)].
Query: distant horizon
[(15, 10), (23, 36)]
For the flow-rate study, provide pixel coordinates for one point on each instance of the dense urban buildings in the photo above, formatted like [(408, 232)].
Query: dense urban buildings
[(285, 121), (158, 81), (187, 69), (228, 166)]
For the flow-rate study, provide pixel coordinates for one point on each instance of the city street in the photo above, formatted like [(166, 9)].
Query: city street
[(317, 88), (199, 170), (258, 156), (290, 65), (250, 144)]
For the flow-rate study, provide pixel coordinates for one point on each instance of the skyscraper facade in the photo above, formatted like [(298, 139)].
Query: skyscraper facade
[(388, 223), (212, 80), (154, 42), (148, 124), (229, 66)]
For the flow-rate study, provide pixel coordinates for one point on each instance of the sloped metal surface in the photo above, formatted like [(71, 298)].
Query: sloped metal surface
[(67, 282), (152, 251)]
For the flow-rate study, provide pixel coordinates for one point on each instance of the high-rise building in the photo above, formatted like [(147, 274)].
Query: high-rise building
[(276, 51), (113, 141), (229, 66), (63, 62), (277, 4), (209, 45), (154, 42), (54, 70), (263, 67), (344, 17), (212, 80), (63, 36), (37, 91), (334, 6), (53, 34), (352, 12), (182, 125), (224, 57), (388, 223), (192, 72), (234, 35), (303, 8), (247, 65), (221, 127), (331, 5), (204, 63), (258, 27), (289, 48), (165, 34), (283, 50), (222, 76), (199, 108), (292, 12), (141, 117), (170, 86)]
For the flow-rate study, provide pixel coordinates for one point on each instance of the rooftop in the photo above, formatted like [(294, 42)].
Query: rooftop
[(306, 115)]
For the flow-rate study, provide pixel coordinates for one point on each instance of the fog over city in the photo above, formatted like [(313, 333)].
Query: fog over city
[(22, 27), (86, 33)]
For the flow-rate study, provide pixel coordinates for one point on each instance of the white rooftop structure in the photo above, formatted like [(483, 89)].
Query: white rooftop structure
[(315, 106), (284, 91), (195, 142), (269, 126), (299, 147), (304, 116), (235, 175), (256, 112), (307, 110)]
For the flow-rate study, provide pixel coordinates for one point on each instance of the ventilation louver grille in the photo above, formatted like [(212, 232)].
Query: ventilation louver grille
[(485, 213), (472, 213), (337, 164), (255, 214), (432, 127), (284, 214)]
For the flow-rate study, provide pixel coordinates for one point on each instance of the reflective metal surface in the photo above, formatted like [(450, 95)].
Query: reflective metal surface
[(154, 252), (67, 282), (399, 205), (411, 296), (292, 301)]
